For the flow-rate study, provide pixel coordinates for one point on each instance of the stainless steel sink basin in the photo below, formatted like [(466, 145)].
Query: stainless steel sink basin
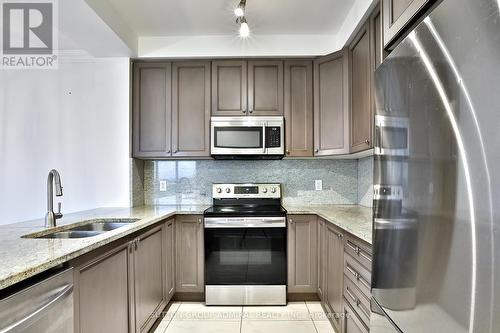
[(71, 234), (85, 229)]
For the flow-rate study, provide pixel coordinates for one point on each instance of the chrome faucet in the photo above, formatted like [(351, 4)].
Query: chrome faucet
[(51, 217)]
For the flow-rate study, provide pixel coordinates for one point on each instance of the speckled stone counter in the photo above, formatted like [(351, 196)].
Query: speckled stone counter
[(354, 219), (21, 258)]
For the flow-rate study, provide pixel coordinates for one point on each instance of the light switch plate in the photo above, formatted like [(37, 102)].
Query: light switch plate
[(163, 185), (318, 185)]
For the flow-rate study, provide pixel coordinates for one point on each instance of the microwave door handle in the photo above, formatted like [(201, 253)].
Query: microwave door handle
[(264, 138)]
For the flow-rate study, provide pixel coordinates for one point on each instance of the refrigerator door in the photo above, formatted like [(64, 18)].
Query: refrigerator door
[(436, 261)]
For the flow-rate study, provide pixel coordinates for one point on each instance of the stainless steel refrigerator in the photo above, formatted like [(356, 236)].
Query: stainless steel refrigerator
[(436, 264)]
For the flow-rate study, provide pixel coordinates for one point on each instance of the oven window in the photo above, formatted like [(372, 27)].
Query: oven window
[(393, 137), (238, 137), (245, 256)]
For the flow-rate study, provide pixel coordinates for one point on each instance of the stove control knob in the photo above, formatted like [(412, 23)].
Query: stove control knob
[(219, 190), (228, 190), (264, 190), (273, 190)]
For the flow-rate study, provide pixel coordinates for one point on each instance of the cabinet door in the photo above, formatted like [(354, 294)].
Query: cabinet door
[(102, 294), (334, 272), (170, 258), (149, 277), (189, 253), (302, 258), (399, 15), (351, 322), (299, 108), (331, 105), (191, 109), (361, 101), (152, 110), (229, 88), (265, 88), (321, 260)]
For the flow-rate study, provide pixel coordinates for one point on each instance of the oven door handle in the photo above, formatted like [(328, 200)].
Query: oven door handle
[(245, 222)]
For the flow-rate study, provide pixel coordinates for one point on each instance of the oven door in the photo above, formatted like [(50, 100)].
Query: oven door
[(245, 251), (237, 136)]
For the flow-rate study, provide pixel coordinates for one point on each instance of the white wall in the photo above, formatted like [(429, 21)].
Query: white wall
[(74, 119)]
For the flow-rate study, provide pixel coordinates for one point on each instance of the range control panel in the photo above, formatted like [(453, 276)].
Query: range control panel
[(220, 191)]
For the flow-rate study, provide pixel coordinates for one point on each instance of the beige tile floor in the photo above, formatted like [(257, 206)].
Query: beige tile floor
[(195, 317)]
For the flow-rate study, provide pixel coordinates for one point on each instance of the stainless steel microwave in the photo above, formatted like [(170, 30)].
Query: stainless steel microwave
[(247, 137)]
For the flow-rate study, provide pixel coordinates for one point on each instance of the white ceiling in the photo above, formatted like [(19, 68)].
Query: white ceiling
[(215, 17)]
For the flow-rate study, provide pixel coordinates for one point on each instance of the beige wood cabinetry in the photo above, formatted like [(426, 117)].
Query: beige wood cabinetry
[(189, 254)]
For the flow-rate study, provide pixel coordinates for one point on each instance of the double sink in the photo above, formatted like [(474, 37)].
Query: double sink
[(84, 229)]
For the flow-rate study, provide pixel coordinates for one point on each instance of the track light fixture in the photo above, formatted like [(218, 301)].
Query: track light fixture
[(240, 18)]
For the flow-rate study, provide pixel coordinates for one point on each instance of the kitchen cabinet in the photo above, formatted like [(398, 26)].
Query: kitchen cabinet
[(189, 254), (360, 56), (191, 109), (398, 16), (321, 239), (170, 259), (103, 293), (152, 110), (302, 254), (265, 87), (298, 106), (171, 109), (331, 104), (252, 88), (149, 277), (376, 37), (334, 272), (229, 88), (351, 322), (122, 287)]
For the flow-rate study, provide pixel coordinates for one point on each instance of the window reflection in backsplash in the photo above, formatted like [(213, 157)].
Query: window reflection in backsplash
[(190, 182)]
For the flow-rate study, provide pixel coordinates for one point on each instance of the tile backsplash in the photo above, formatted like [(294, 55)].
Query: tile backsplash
[(365, 181), (190, 182)]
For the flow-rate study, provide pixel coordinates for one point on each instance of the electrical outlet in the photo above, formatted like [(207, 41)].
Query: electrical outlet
[(318, 185), (163, 185)]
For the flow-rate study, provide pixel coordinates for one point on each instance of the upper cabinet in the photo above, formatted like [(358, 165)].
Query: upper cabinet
[(299, 108), (399, 15), (265, 88), (360, 54), (331, 104), (253, 88), (229, 88), (191, 109), (152, 109), (171, 109)]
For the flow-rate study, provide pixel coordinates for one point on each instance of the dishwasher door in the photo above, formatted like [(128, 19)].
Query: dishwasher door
[(46, 306)]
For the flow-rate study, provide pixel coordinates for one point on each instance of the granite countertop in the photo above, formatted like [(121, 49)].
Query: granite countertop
[(21, 258), (354, 219)]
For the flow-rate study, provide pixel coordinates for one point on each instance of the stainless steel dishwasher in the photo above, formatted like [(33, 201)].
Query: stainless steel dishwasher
[(45, 306)]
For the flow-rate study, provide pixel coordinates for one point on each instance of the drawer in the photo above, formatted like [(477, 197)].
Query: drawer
[(358, 301), (362, 252), (358, 274)]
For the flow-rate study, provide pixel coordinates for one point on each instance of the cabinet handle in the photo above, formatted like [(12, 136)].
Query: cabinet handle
[(200, 220), (358, 276), (367, 142), (250, 111), (339, 235), (137, 243), (316, 150), (244, 111), (287, 152), (168, 152), (176, 150), (351, 296), (291, 221)]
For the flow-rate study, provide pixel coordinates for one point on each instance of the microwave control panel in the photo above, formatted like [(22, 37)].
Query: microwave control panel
[(273, 137)]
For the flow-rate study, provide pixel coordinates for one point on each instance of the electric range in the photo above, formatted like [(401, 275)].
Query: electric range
[(245, 246)]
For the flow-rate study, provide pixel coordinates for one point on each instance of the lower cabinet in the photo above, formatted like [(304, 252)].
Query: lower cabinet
[(122, 289), (189, 254), (302, 254), (334, 273), (170, 258), (103, 293), (352, 323), (149, 277)]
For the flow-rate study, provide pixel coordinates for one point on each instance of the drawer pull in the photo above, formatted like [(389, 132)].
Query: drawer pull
[(363, 254), (351, 296), (359, 251), (358, 303), (358, 276)]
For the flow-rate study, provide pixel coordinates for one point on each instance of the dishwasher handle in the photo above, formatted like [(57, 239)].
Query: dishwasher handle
[(66, 291)]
